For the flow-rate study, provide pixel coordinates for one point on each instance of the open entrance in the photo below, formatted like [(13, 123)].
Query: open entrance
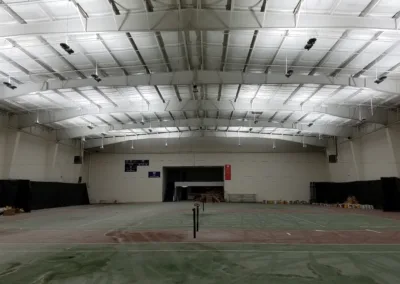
[(187, 183)]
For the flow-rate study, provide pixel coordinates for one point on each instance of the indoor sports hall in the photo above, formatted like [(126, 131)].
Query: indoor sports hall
[(199, 141)]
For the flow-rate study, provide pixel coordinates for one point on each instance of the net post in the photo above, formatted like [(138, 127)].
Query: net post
[(198, 216), (194, 223)]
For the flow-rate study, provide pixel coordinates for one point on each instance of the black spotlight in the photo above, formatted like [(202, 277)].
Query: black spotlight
[(289, 73), (67, 48), (310, 43), (380, 79), (9, 85), (195, 89), (96, 78)]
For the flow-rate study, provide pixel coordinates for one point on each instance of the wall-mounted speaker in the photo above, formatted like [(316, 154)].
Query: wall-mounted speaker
[(77, 160), (332, 159)]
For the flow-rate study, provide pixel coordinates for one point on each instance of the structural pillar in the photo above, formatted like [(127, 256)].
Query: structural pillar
[(11, 153), (392, 150), (355, 153)]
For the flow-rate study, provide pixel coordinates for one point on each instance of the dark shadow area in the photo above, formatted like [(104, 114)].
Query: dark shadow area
[(32, 195)]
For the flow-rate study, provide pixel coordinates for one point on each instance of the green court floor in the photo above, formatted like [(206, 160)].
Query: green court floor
[(38, 247)]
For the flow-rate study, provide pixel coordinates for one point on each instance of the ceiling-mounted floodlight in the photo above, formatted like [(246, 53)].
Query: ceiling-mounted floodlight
[(96, 75), (310, 43), (67, 48), (132, 146), (289, 73), (166, 144), (9, 84), (195, 89), (273, 145), (96, 78), (380, 79)]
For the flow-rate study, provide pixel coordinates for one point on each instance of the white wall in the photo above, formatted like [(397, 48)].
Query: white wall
[(270, 175), (344, 170), (370, 157), (34, 157)]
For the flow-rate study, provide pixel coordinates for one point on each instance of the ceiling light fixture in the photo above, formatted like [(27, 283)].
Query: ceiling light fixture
[(273, 145), (102, 143), (96, 75), (67, 48), (132, 146), (195, 89), (310, 43), (380, 80), (288, 73), (9, 84)]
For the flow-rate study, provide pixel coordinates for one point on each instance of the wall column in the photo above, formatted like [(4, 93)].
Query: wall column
[(355, 153), (9, 159), (392, 150), (52, 171)]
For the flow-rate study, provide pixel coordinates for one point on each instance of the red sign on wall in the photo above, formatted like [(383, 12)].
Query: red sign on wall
[(228, 172)]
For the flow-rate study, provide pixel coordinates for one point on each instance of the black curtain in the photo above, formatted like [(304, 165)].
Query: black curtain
[(40, 195), (391, 193), (366, 192)]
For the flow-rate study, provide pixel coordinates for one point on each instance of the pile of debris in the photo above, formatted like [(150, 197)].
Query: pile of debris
[(9, 211)]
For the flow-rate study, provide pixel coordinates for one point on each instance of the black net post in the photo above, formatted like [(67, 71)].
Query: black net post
[(203, 205), (198, 216), (194, 223)]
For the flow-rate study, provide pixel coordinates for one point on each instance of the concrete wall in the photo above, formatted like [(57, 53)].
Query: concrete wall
[(36, 156), (270, 175), (370, 157)]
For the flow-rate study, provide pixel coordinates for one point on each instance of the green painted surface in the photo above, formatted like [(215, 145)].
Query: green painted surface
[(195, 262), (203, 263)]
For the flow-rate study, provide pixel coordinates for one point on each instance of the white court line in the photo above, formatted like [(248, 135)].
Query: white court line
[(289, 234), (320, 231), (195, 243), (304, 220), (98, 221), (381, 227), (210, 250), (373, 231)]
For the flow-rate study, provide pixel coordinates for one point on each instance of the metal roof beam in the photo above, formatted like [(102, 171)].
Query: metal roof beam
[(202, 78), (329, 130), (357, 113), (312, 141), (211, 20)]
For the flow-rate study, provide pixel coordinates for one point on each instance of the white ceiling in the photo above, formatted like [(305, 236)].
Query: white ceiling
[(338, 52)]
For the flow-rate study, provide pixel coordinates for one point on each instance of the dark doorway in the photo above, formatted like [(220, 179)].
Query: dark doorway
[(189, 174)]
